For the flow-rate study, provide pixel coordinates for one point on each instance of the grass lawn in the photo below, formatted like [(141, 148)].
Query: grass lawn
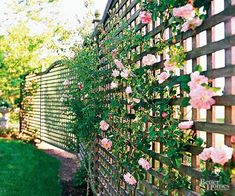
[(26, 171)]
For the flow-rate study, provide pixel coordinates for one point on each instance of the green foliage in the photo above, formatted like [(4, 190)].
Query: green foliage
[(79, 179)]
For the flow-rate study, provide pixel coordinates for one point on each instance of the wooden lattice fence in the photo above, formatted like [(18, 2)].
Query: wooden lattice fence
[(212, 46), (43, 112)]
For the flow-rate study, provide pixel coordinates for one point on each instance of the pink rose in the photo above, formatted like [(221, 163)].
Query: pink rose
[(164, 114), (233, 139), (0, 93), (107, 144), (185, 12), (136, 100), (206, 154), (191, 24), (104, 125), (162, 77), (185, 125), (80, 86), (222, 155), (113, 85), (125, 73), (66, 83), (169, 66), (115, 73), (149, 59), (129, 179), (145, 17), (196, 80), (118, 64), (144, 164), (201, 98), (128, 90), (114, 53)]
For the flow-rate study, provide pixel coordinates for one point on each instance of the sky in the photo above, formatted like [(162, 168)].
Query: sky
[(69, 11)]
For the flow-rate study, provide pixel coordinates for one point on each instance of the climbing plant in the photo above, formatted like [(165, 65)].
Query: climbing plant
[(114, 88)]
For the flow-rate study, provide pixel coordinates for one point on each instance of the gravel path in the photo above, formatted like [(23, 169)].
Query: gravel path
[(69, 165)]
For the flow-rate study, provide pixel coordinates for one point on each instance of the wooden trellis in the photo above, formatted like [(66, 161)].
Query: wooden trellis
[(213, 46)]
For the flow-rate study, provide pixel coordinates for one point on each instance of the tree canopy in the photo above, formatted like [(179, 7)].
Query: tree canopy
[(32, 36)]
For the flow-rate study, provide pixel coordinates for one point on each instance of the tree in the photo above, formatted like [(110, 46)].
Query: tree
[(32, 37)]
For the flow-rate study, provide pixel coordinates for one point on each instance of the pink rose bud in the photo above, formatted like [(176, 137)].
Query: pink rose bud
[(107, 144), (114, 85), (129, 179), (104, 125), (128, 90), (136, 100), (80, 86), (118, 64), (185, 125), (114, 53), (66, 83), (144, 164), (164, 114), (233, 139), (125, 73), (145, 17), (115, 73)]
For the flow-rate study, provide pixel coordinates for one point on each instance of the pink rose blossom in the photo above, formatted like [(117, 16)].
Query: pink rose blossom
[(66, 83), (113, 85), (129, 179), (145, 17), (162, 77), (115, 73), (164, 114), (80, 86), (201, 98), (104, 125), (136, 100), (233, 139), (125, 73), (128, 90), (185, 12), (144, 164), (222, 155), (118, 64), (114, 53), (185, 125), (169, 66), (149, 59), (107, 144), (206, 154), (191, 24), (196, 80)]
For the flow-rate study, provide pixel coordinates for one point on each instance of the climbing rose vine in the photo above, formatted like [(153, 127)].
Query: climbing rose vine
[(114, 88)]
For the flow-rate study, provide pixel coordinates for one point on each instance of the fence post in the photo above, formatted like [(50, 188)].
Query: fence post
[(20, 102)]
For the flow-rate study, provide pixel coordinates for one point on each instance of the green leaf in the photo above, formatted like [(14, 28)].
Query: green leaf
[(185, 102), (199, 141), (197, 68)]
